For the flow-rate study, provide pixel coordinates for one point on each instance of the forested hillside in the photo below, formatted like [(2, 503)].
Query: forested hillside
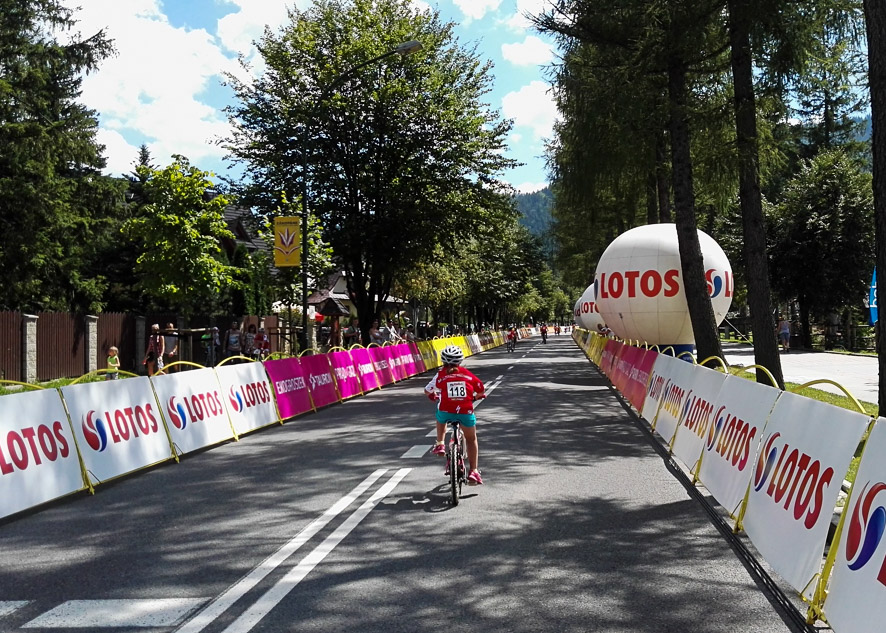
[(536, 210)]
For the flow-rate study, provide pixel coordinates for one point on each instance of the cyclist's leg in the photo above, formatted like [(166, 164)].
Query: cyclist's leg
[(472, 445)]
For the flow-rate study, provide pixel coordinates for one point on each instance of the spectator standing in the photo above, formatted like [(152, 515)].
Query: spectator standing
[(113, 372), (409, 335), (154, 353), (249, 341), (375, 335), (352, 333), (211, 346), (232, 341), (170, 341), (784, 334)]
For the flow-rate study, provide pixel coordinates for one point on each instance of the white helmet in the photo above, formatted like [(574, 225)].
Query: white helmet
[(452, 355)]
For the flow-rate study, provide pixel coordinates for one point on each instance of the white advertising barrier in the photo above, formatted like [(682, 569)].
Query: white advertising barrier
[(192, 405), (697, 415), (732, 440), (38, 457), (804, 455), (856, 601), (117, 425), (246, 392), (679, 378), (658, 380)]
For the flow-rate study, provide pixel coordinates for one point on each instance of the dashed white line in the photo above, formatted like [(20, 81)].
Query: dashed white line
[(116, 613), (272, 598), (8, 606), (416, 451)]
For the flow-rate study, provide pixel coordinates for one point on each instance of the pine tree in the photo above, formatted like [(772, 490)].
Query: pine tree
[(53, 198)]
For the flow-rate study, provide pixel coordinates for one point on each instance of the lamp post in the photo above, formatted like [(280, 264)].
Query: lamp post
[(404, 49)]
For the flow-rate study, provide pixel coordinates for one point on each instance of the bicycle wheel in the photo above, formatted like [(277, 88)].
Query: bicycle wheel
[(454, 480), (462, 462)]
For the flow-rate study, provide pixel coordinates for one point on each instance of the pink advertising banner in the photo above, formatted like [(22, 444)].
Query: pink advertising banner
[(406, 360), (638, 378), (418, 361), (318, 375), (381, 361), (289, 384), (345, 374), (365, 371), (397, 360)]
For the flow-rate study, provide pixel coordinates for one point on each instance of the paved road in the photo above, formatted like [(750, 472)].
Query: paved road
[(859, 374), (336, 522)]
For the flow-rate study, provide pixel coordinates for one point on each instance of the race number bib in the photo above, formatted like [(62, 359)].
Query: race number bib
[(457, 390)]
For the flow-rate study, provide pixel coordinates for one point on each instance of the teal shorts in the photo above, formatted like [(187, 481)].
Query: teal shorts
[(465, 419)]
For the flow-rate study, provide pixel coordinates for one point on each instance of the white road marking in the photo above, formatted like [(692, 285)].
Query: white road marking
[(116, 613), (272, 598), (223, 602), (416, 451), (8, 606)]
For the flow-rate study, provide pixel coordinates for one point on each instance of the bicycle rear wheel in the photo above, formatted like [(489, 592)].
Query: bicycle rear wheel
[(454, 480)]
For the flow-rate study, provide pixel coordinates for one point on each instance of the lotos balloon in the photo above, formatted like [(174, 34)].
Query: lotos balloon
[(641, 294), (589, 316)]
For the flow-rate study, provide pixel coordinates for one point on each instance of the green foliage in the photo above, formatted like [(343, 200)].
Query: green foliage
[(54, 202), (822, 235), (178, 233)]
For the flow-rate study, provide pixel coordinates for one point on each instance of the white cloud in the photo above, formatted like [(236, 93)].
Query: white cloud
[(238, 30), (121, 155), (532, 51), (533, 107), (476, 9), (153, 86), (530, 187), (532, 7)]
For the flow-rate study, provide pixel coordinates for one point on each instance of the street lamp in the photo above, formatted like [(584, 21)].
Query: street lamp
[(404, 49)]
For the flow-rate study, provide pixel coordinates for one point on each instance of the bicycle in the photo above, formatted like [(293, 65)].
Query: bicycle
[(512, 344)]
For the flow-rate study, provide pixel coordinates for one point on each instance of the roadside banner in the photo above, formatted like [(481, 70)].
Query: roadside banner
[(679, 376), (732, 440), (417, 359), (191, 403), (117, 426), (804, 455), (407, 362), (318, 375), (607, 357), (382, 366), (246, 392), (290, 387), (365, 369), (856, 599), (697, 415), (38, 456), (345, 374), (395, 360), (638, 376), (428, 355)]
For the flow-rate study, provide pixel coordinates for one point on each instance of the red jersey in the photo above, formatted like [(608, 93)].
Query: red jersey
[(456, 389)]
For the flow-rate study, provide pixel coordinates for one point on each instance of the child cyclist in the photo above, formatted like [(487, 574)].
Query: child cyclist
[(455, 388)]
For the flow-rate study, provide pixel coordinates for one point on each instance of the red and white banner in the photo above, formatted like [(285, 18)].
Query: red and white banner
[(381, 362), (318, 375), (246, 392), (679, 377), (345, 374), (191, 402), (856, 601), (290, 387), (804, 455), (365, 369), (38, 457), (640, 365), (698, 414), (117, 425), (732, 440)]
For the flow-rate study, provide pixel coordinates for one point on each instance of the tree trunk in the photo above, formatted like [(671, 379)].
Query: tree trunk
[(875, 20), (651, 199), (701, 312), (759, 298), (805, 326), (661, 175)]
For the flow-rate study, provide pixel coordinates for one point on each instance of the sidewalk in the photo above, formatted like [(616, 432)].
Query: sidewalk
[(859, 374)]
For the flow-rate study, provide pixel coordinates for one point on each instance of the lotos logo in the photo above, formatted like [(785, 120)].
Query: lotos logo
[(193, 408), (866, 530), (649, 283), (730, 437), (697, 414), (177, 413), (794, 479), (95, 432), (718, 284), (236, 399), (31, 445)]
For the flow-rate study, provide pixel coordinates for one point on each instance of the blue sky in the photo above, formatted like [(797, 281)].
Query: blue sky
[(163, 88)]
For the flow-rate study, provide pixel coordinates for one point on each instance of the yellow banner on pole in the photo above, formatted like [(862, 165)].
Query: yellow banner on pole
[(287, 241)]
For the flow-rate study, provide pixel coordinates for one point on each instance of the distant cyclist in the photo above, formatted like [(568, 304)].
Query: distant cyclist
[(455, 388), (512, 339), (544, 333)]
